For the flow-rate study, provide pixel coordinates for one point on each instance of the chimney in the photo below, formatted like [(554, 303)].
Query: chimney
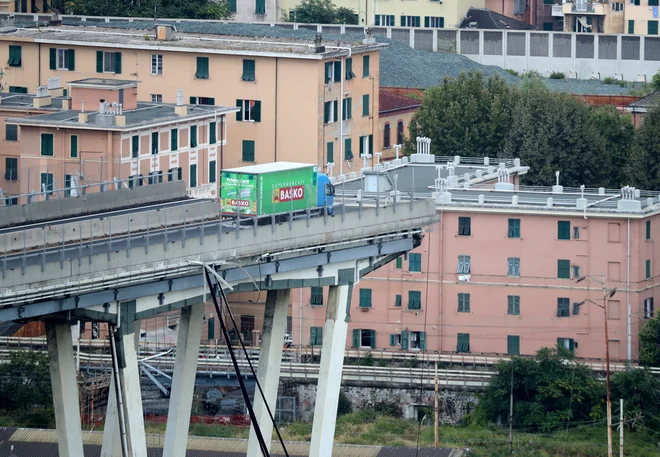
[(318, 47), (42, 98), (368, 36), (82, 115), (54, 87), (120, 117), (165, 32), (180, 109)]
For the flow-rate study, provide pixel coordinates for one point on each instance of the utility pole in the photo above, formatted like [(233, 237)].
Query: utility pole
[(435, 426), (511, 412), (621, 427)]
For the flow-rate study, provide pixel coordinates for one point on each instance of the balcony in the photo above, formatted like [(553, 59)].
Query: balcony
[(203, 191), (558, 10), (583, 7)]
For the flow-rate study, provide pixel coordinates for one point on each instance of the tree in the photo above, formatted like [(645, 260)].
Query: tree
[(549, 390), (640, 391), (618, 135), (466, 116), (643, 168), (655, 82), (25, 382), (188, 9), (321, 12), (649, 343)]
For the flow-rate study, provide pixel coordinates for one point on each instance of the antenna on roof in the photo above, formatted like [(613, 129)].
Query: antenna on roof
[(557, 175)]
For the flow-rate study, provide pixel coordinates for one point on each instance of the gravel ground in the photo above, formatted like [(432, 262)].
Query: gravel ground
[(401, 66)]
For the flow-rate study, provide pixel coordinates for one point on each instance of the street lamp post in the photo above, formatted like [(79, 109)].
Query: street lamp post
[(607, 293)]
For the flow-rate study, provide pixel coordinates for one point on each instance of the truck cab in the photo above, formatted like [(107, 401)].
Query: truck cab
[(325, 192)]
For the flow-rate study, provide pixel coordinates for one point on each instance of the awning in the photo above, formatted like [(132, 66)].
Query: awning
[(583, 21)]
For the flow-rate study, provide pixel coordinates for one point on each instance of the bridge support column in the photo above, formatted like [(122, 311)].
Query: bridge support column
[(111, 446), (332, 362), (183, 381), (65, 388), (270, 361)]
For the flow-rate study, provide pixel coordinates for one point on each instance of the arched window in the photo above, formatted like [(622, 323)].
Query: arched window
[(386, 135), (399, 132)]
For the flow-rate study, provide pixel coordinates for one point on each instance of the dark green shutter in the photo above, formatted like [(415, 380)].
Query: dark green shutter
[(256, 111), (397, 300), (371, 144), (67, 185), (361, 146), (326, 112), (99, 61), (193, 136), (377, 22), (417, 21), (135, 145), (328, 72), (74, 145), (422, 341), (248, 151), (232, 6), (154, 142), (213, 133), (174, 139), (426, 21), (392, 337), (349, 108), (71, 54), (648, 269), (47, 144), (330, 152), (212, 171), (53, 58), (399, 262), (248, 70), (653, 27), (356, 338), (335, 106), (202, 68), (117, 63), (372, 338), (337, 72), (193, 175), (239, 113), (365, 105), (404, 339), (211, 328), (403, 21), (365, 66), (513, 345), (564, 230), (563, 269), (648, 230), (348, 149), (193, 100), (631, 27)]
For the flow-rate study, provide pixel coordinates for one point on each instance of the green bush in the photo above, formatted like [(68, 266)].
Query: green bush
[(344, 405), (512, 72), (388, 408), (609, 80), (557, 75)]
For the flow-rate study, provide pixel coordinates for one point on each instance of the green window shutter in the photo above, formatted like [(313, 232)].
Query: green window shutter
[(202, 68), (193, 100), (260, 7), (326, 112), (648, 230), (15, 56), (117, 63), (179, 173), (212, 171), (414, 299), (442, 22), (563, 309), (248, 151), (316, 297), (631, 26), (256, 111), (463, 342), (417, 21), (193, 136), (46, 144), (46, 183), (414, 262), (404, 340), (397, 300), (330, 154), (210, 324), (11, 168), (349, 108), (71, 55), (648, 269), (213, 129), (335, 114), (365, 105), (328, 72), (193, 175), (514, 228), (316, 336), (135, 145), (239, 113), (653, 27), (403, 21), (576, 308), (174, 139), (248, 69), (399, 262), (349, 69), (422, 341), (365, 66), (513, 345), (67, 185), (361, 146), (372, 338), (53, 59), (232, 6), (74, 145), (563, 269), (348, 149), (365, 298), (356, 338), (464, 226), (377, 20), (371, 144), (337, 72), (426, 21), (99, 61), (154, 142), (564, 230), (392, 337)]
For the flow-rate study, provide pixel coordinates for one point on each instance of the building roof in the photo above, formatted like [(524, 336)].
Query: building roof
[(104, 83), (392, 103), (23, 102), (482, 18), (188, 42), (645, 103), (146, 114), (270, 167)]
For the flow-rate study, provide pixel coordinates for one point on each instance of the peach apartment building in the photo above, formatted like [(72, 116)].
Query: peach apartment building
[(102, 133), (298, 100)]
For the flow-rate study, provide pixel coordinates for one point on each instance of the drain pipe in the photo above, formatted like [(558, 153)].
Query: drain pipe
[(341, 107), (628, 323), (300, 320), (118, 392)]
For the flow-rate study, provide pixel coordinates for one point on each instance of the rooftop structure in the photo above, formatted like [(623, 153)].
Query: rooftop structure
[(483, 18)]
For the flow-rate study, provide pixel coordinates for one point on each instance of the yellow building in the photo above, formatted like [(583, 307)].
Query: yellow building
[(299, 101), (639, 17), (642, 17), (25, 6), (426, 13)]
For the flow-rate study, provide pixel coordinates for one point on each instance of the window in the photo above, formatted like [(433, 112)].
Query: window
[(193, 175), (563, 269), (15, 56), (47, 183), (410, 21), (563, 307), (330, 152), (414, 262), (631, 26), (618, 6), (399, 132), (463, 342), (463, 303), (366, 63), (365, 105), (248, 151), (202, 68), (46, 144), (648, 230), (399, 262), (417, 340), (653, 28), (648, 308), (648, 269), (108, 62), (513, 305), (548, 26), (248, 70), (349, 69), (364, 338), (414, 299), (193, 136), (348, 149), (157, 64), (576, 232), (11, 168), (317, 296), (366, 144), (332, 72), (74, 146), (315, 336), (464, 226), (566, 343), (576, 271), (135, 146), (386, 20), (212, 171), (11, 132), (250, 110), (513, 345), (202, 101), (154, 142), (513, 266), (347, 109), (576, 308), (213, 133), (155, 177), (397, 300), (365, 298), (514, 228), (563, 230), (260, 7), (18, 90), (62, 59), (174, 139), (330, 111), (386, 135), (67, 185), (635, 2), (436, 22), (464, 265), (395, 340), (156, 98), (654, 3), (174, 174)]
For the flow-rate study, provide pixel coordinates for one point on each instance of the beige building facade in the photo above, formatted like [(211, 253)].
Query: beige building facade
[(632, 17)]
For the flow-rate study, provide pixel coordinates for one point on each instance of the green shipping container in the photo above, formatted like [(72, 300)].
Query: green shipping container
[(270, 188)]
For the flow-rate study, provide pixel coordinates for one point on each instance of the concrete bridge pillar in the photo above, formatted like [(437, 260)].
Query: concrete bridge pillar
[(129, 373), (270, 361), (183, 381), (332, 362), (65, 388)]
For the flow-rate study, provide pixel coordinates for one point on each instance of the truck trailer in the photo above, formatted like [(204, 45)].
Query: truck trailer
[(275, 188)]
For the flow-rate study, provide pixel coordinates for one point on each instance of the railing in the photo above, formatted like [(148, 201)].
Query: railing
[(558, 10)]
